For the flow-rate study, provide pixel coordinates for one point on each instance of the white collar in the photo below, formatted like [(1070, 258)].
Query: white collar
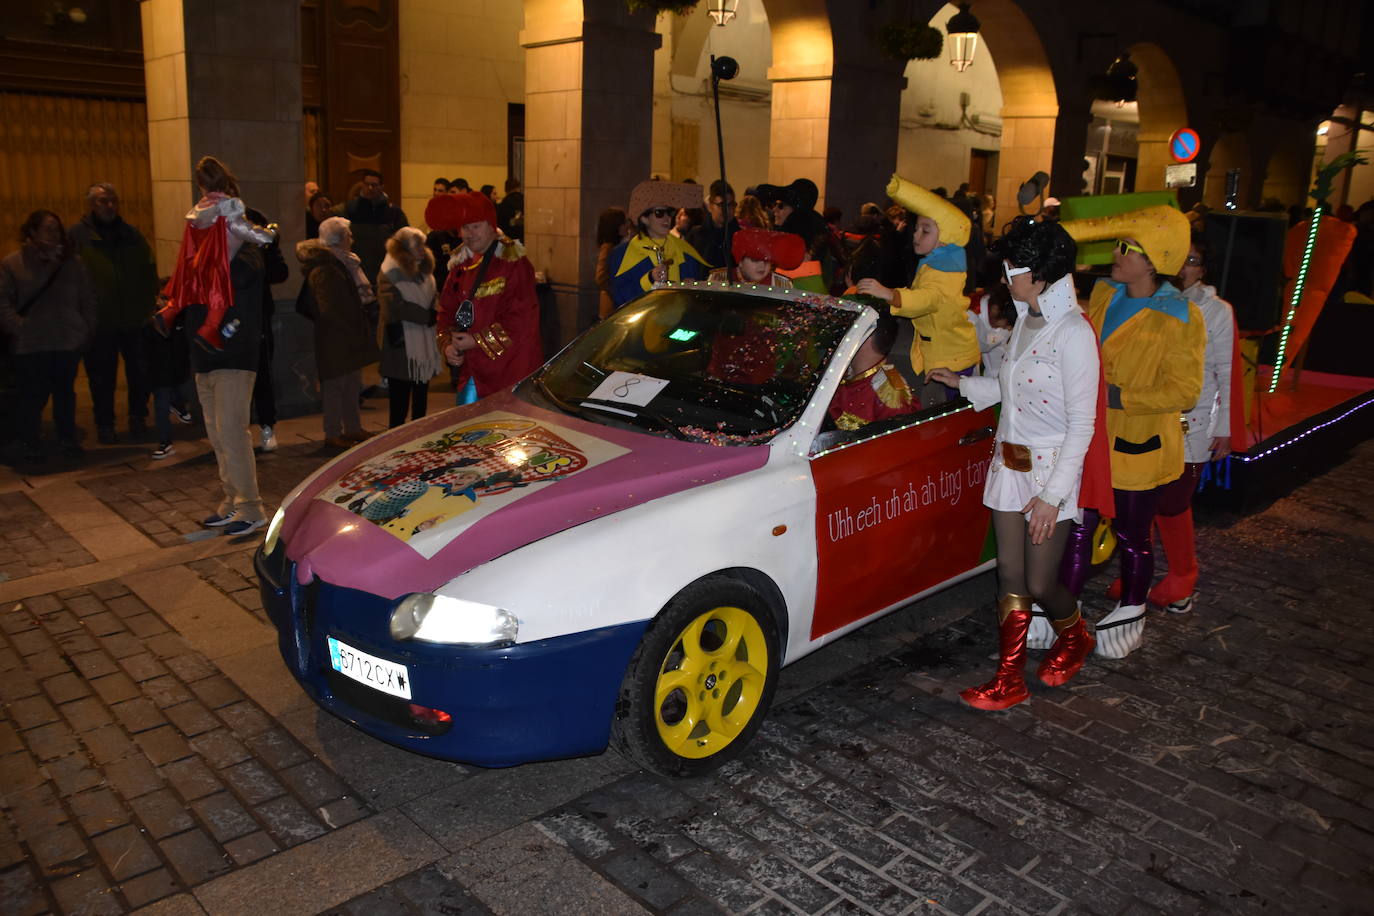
[(1058, 298)]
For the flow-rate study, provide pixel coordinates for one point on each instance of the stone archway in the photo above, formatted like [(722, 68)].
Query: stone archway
[(1163, 110)]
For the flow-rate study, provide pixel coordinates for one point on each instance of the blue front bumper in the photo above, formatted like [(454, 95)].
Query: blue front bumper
[(532, 701)]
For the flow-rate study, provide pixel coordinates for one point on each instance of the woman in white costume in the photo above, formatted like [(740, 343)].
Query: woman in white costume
[(1048, 388)]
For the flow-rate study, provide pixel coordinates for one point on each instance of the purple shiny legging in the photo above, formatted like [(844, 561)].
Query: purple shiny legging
[(1135, 516)]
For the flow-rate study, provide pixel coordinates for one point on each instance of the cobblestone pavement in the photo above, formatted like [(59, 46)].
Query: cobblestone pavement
[(31, 542), (133, 767), (154, 752), (166, 504)]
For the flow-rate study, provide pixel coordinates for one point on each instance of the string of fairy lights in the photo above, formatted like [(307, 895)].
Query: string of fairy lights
[(1297, 297)]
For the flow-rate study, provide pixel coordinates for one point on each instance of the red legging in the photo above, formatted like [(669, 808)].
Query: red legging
[(1175, 497)]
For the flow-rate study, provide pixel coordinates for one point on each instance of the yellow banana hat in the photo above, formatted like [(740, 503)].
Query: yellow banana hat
[(954, 225), (1161, 230)]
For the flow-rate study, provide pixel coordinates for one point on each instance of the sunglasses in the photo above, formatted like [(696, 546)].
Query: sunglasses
[(1010, 271), (1126, 247), (660, 212)]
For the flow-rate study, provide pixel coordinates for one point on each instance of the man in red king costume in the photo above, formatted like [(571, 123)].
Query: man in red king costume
[(488, 318)]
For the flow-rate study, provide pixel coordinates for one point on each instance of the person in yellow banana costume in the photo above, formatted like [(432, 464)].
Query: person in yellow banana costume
[(935, 301)]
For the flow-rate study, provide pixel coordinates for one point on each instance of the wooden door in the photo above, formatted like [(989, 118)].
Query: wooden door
[(362, 93)]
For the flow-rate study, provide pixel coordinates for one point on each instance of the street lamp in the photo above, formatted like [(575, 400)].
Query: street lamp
[(722, 11), (963, 33)]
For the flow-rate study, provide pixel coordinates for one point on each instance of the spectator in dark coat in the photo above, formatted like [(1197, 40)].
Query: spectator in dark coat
[(510, 212), (344, 341), (709, 238), (47, 307), (372, 219), (317, 211), (124, 274), (264, 395)]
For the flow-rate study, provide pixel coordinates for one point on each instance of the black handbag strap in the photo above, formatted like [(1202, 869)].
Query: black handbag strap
[(38, 294)]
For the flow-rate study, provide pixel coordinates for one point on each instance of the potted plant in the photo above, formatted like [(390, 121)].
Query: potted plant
[(676, 7), (910, 41)]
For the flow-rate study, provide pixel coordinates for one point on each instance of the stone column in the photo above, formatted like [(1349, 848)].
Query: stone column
[(1028, 146), (588, 142), (224, 80), (799, 138), (865, 109)]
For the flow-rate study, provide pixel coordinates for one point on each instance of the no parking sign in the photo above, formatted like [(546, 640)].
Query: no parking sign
[(1183, 145)]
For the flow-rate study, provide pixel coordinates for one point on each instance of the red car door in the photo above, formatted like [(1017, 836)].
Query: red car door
[(899, 513)]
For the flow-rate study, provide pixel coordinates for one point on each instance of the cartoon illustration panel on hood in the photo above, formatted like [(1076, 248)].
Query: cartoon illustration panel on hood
[(471, 470)]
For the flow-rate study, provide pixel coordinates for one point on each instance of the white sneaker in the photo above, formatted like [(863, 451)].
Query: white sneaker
[(269, 439), (1121, 632), (1182, 605), (1041, 634)]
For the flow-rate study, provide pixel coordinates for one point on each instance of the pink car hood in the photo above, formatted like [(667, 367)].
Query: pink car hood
[(411, 509)]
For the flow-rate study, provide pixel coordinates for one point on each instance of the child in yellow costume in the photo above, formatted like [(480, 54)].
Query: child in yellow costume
[(935, 302), (1153, 341)]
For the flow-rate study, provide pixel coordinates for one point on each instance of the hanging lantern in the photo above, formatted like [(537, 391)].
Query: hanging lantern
[(722, 11), (963, 38)]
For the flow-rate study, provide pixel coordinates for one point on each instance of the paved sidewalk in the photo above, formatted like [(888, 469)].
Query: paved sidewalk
[(155, 754)]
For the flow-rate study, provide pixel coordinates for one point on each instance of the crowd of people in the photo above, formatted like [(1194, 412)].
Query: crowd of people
[(1109, 409)]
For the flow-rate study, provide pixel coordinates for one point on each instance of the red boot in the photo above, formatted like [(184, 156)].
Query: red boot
[(1008, 687), (1114, 590), (1068, 652), (1176, 536)]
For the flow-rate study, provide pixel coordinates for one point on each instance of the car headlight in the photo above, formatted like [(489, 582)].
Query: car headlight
[(269, 543), (438, 618)]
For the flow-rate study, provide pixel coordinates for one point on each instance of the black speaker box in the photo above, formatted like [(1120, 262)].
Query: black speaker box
[(1245, 264)]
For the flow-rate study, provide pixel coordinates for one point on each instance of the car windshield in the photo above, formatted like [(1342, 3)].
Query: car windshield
[(703, 365)]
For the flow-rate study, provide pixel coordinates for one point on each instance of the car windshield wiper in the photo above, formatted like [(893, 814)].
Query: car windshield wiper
[(640, 411)]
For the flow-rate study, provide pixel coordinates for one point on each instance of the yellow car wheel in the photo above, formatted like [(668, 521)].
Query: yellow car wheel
[(701, 681)]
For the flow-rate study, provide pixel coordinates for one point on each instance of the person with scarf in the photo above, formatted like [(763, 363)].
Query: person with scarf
[(1152, 340), (216, 227), (1050, 389), (339, 293), (759, 254), (48, 312), (935, 301), (488, 322), (652, 254), (406, 291)]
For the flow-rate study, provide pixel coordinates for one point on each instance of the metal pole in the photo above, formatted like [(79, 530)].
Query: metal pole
[(720, 148)]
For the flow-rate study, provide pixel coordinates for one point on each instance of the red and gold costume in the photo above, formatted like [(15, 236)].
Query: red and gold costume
[(505, 311), (877, 393)]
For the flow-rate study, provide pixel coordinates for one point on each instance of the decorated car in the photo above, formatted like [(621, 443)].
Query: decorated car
[(627, 546)]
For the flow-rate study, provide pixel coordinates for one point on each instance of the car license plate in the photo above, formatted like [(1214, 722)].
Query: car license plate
[(377, 673)]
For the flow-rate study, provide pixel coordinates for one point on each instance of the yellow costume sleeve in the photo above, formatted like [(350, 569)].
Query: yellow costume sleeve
[(931, 288), (1179, 383)]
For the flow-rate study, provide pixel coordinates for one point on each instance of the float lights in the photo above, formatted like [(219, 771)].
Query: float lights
[(722, 11), (1297, 296), (963, 33)]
